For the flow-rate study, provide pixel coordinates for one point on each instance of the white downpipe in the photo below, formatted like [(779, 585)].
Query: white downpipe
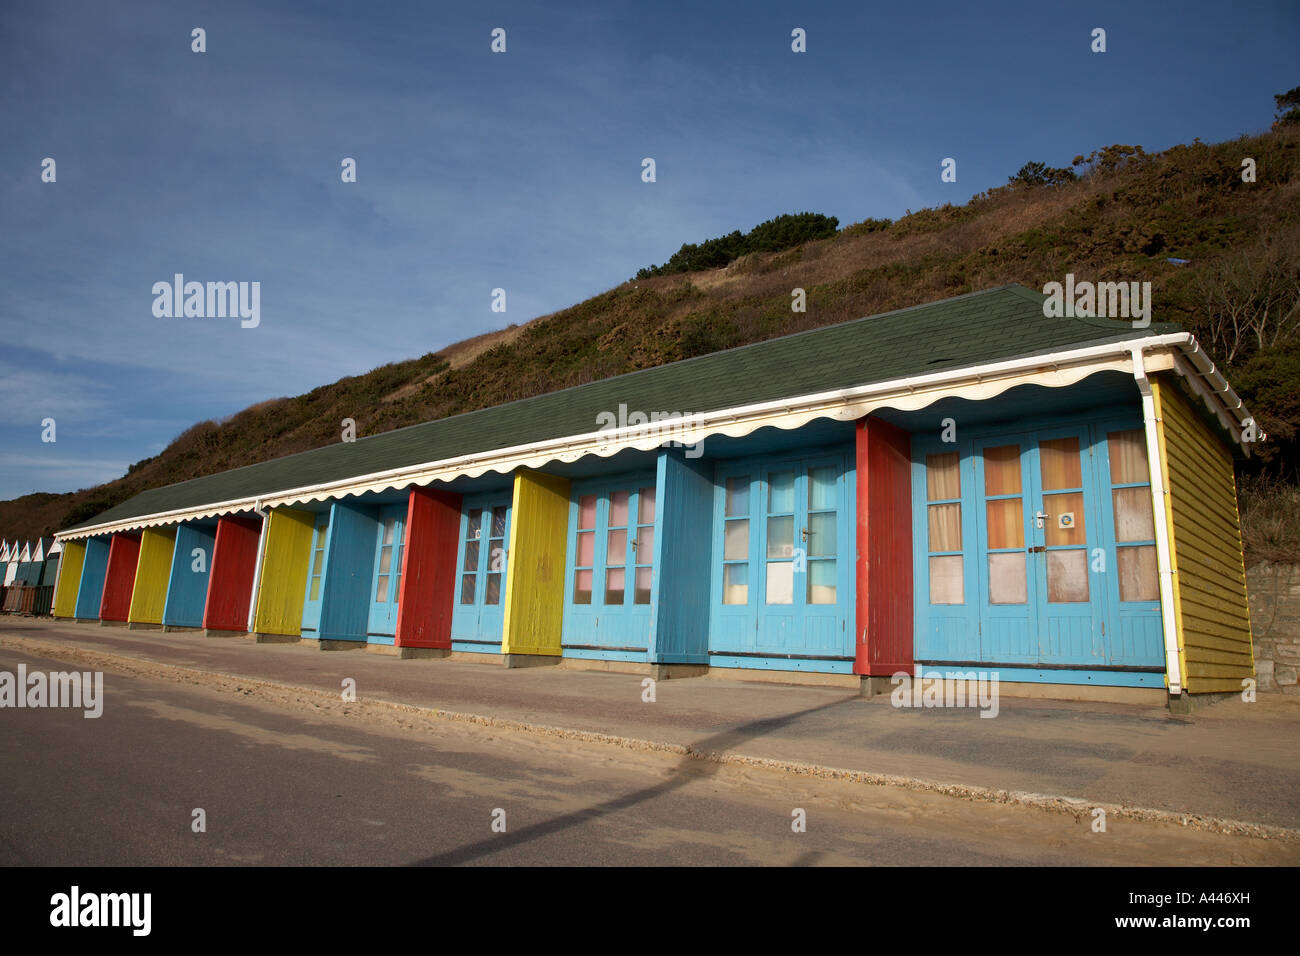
[(257, 567), (1159, 493), (58, 576)]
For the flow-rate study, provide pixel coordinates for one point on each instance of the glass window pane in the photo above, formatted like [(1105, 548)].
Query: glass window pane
[(1007, 582), (780, 492), (474, 526), (586, 549), (943, 476), (947, 580), (737, 496), (821, 488), (381, 590), (615, 581), (1137, 574), (1133, 518), (945, 527), (821, 582), (735, 584), (1065, 522), (388, 530), (736, 540), (1006, 520), (317, 561), (499, 521), (385, 559), (780, 537), (315, 590), (467, 582), (492, 592), (497, 558), (1128, 457), (616, 548), (587, 511), (582, 587), (645, 508), (1067, 576), (780, 582), (645, 545), (1058, 460), (1002, 470), (618, 508), (643, 581), (471, 556), (821, 535)]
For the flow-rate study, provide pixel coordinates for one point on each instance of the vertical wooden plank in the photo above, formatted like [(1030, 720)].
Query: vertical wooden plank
[(187, 588), (683, 560), (284, 572), (153, 570), (429, 569), (230, 584), (349, 572), (119, 577), (534, 609), (71, 558), (884, 550)]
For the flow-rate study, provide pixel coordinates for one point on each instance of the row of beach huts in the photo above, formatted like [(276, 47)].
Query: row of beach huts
[(30, 569)]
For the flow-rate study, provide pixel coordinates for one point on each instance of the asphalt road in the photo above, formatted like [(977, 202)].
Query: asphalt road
[(294, 781)]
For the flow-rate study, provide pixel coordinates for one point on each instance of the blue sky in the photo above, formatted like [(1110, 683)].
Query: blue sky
[(519, 170)]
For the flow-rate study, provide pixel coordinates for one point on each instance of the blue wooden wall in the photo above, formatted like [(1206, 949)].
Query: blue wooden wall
[(93, 569), (679, 626), (187, 589), (349, 572)]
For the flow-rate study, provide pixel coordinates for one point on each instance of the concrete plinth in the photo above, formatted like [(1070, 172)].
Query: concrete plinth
[(424, 653), (875, 686), (262, 638), (678, 671), (531, 660)]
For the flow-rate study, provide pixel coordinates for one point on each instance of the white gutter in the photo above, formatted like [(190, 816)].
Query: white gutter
[(724, 421), (257, 567), (1159, 494)]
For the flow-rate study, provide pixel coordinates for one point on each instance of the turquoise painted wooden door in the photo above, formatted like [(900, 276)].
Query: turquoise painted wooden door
[(311, 604), (391, 539), (782, 531), (1024, 542), (478, 616), (1038, 533), (611, 544)]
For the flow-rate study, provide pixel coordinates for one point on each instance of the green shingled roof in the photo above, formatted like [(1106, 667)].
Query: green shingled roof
[(975, 329)]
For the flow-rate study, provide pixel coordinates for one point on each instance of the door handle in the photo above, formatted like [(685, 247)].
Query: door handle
[(1039, 518)]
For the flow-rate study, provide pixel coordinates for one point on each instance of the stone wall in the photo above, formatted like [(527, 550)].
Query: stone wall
[(1275, 620)]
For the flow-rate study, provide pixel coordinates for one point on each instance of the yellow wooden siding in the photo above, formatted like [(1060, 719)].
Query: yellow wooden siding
[(152, 573), (70, 562), (287, 551), (539, 529), (1210, 604)]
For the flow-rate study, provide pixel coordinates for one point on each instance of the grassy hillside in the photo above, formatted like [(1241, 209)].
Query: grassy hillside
[(1123, 217)]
